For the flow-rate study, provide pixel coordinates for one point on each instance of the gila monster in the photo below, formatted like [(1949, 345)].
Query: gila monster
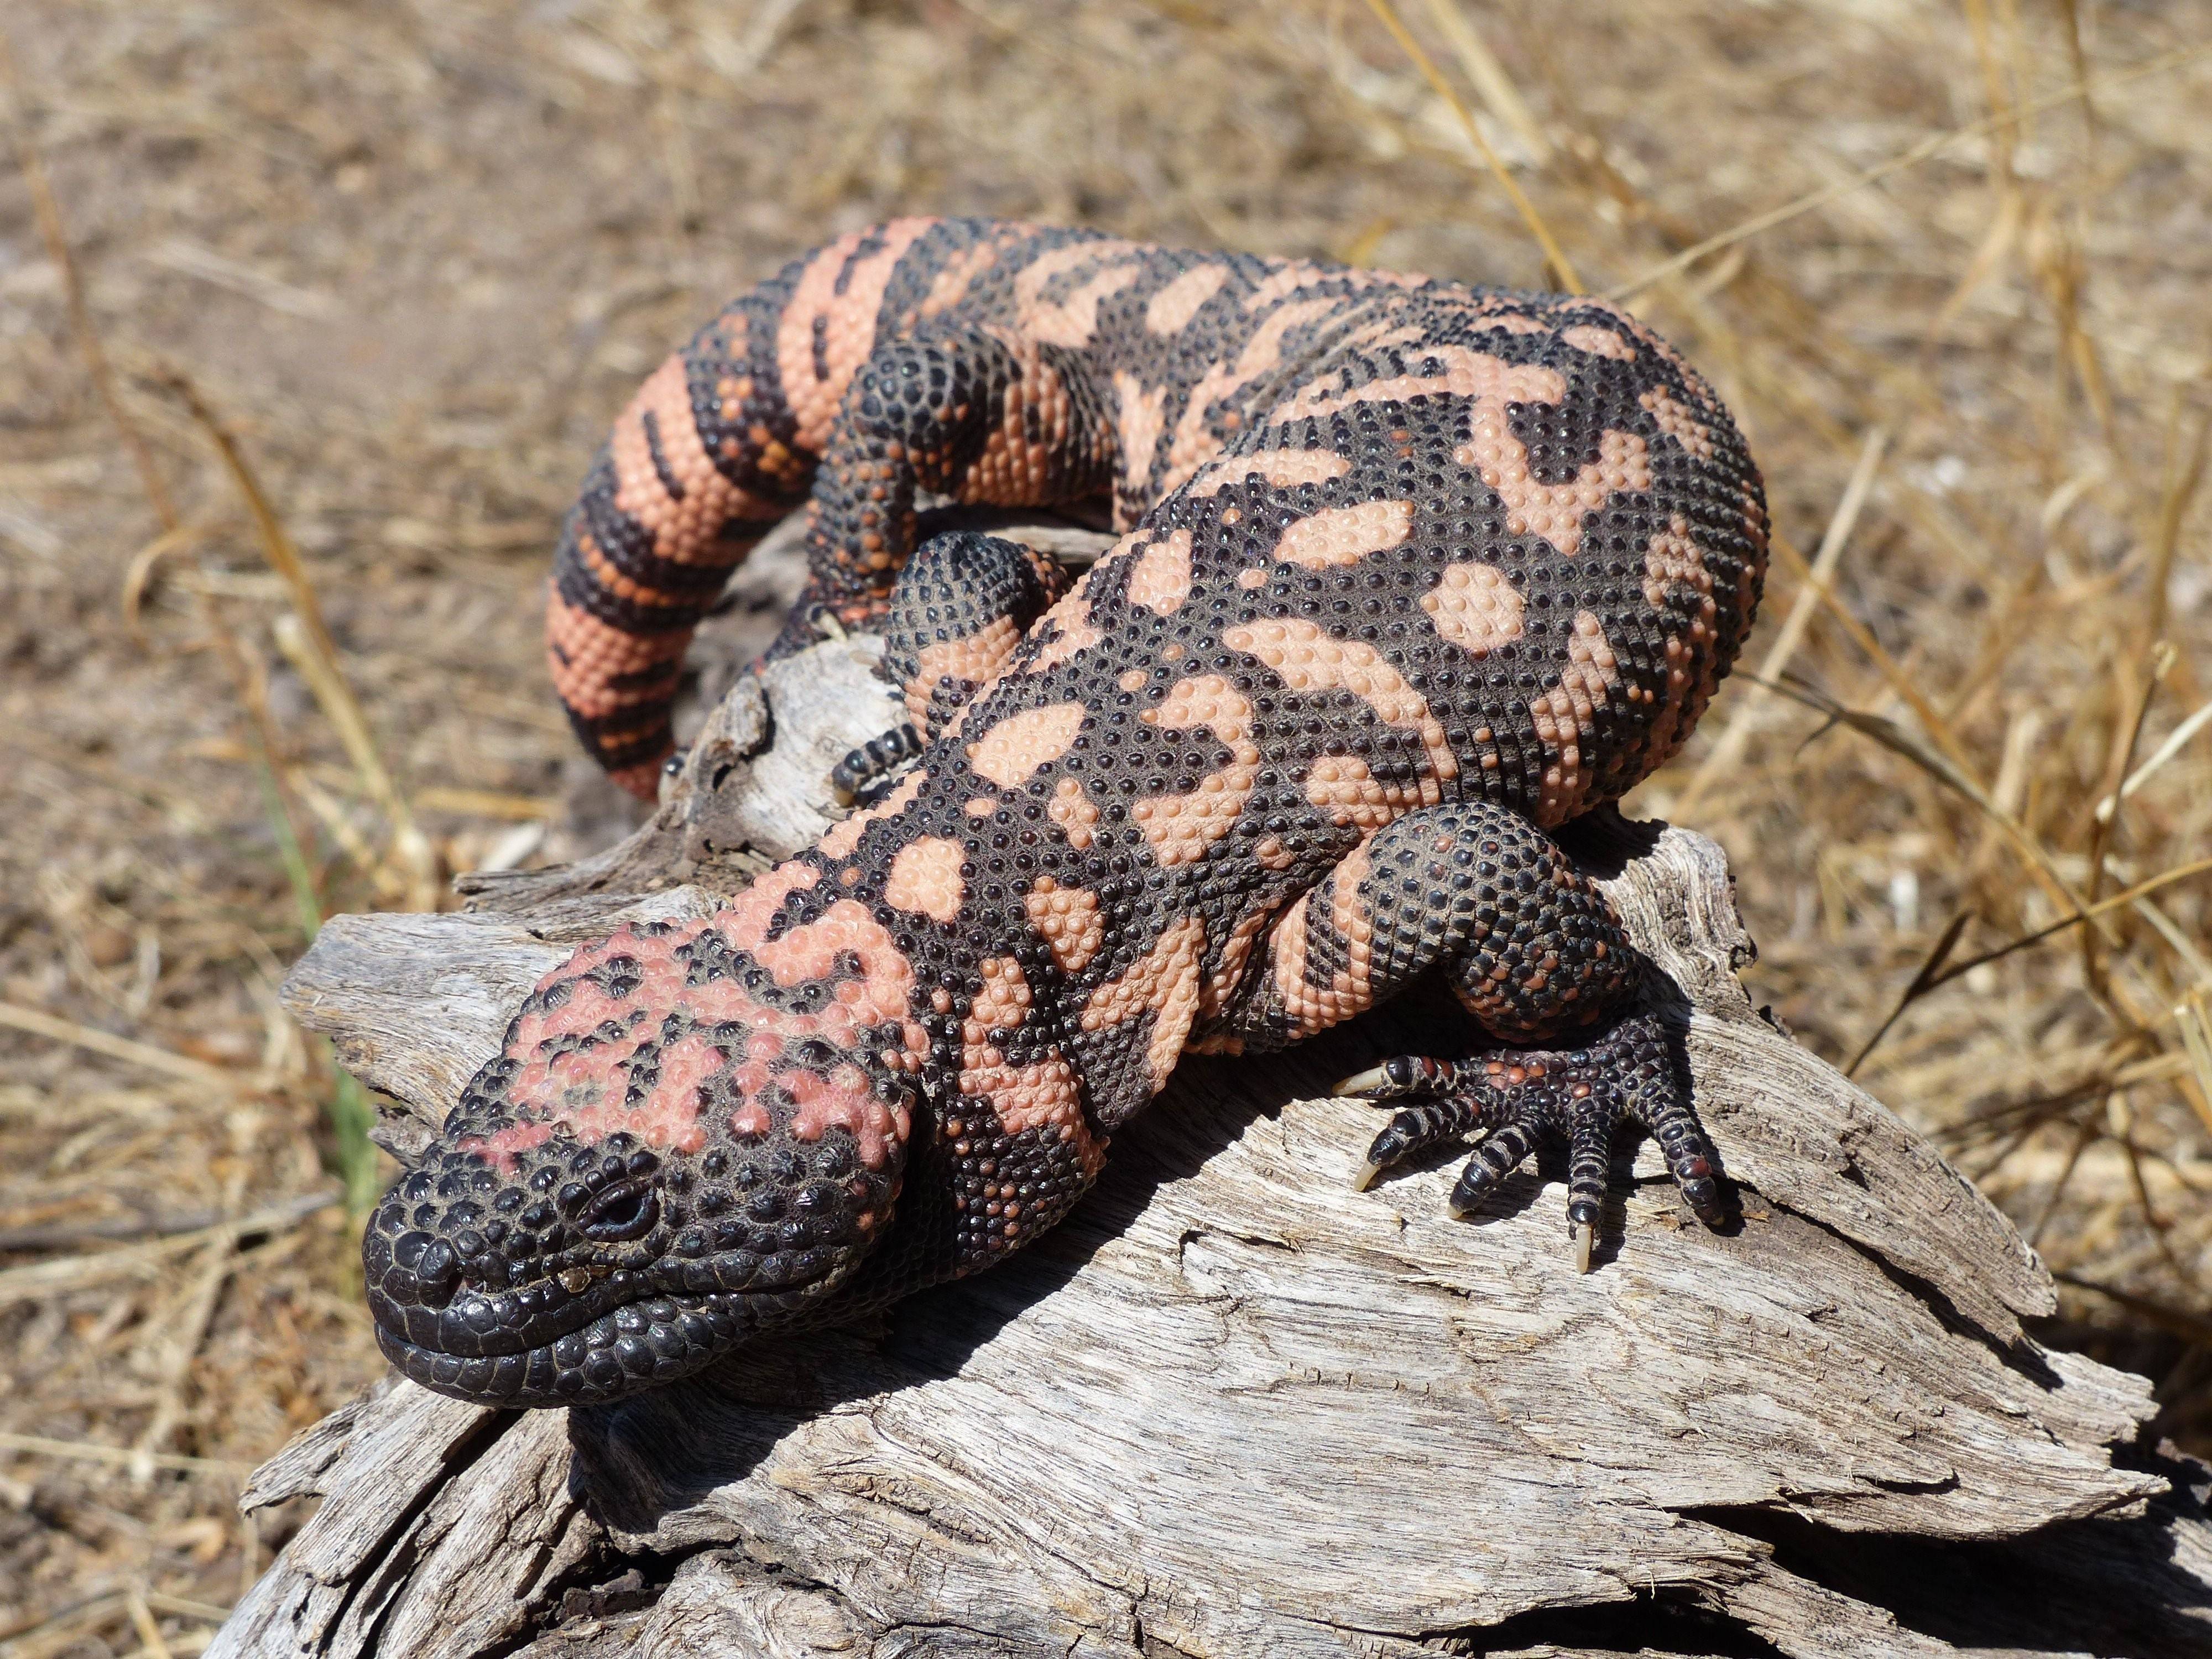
[(1414, 572)]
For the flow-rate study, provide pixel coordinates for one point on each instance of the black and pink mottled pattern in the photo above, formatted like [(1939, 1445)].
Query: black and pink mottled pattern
[(1413, 574)]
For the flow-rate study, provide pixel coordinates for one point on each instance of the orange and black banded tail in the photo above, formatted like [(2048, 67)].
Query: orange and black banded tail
[(702, 462), (720, 442)]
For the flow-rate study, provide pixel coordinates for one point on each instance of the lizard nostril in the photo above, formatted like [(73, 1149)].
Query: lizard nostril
[(623, 1212), (437, 1275)]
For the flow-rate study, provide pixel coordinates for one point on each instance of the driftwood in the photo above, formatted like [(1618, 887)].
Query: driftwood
[(1232, 1407)]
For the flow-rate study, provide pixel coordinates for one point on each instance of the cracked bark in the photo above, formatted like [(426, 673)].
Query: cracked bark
[(1231, 1407)]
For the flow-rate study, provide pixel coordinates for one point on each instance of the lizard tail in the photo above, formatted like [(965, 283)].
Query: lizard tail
[(700, 466), (722, 442)]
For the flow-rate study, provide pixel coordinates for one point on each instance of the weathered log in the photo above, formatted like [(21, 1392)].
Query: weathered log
[(1233, 1408)]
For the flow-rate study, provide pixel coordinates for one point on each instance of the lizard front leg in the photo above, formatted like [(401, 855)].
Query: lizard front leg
[(959, 610), (1534, 950), (957, 613)]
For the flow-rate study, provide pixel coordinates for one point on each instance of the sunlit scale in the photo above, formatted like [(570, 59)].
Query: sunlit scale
[(1409, 575)]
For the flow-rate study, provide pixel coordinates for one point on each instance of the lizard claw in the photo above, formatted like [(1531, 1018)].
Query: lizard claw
[(1407, 1074)]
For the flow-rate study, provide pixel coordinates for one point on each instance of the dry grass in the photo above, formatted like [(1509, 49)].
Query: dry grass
[(392, 267)]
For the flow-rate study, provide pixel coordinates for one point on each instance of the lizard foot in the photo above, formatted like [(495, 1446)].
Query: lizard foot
[(1518, 1098), (866, 774)]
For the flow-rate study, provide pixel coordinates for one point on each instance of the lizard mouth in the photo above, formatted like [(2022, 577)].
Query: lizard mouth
[(590, 1334), (634, 1346)]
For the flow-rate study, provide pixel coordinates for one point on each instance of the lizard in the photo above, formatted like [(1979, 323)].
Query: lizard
[(1410, 575)]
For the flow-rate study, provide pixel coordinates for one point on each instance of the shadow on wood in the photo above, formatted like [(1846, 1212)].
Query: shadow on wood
[(1233, 1408)]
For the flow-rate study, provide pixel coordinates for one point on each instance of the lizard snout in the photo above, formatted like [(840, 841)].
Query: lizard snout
[(426, 1271)]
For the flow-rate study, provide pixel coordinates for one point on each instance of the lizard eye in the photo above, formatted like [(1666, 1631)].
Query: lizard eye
[(621, 1212)]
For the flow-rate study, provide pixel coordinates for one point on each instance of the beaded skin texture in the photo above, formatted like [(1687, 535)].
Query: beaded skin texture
[(1413, 574)]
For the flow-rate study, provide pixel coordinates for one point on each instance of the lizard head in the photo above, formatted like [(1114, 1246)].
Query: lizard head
[(692, 1133)]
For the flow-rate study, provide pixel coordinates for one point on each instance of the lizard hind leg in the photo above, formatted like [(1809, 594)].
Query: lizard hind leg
[(969, 415)]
